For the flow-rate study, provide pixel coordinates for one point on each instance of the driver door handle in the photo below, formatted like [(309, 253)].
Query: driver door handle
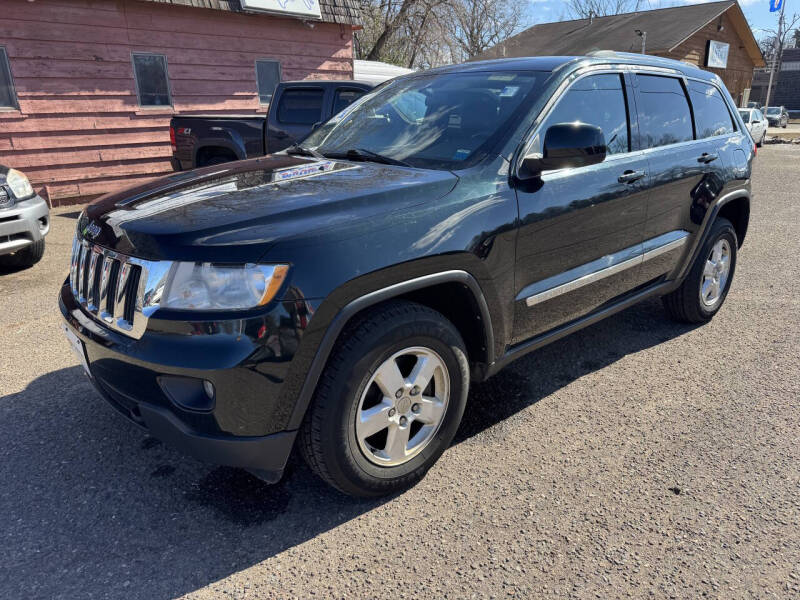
[(630, 176), (706, 158)]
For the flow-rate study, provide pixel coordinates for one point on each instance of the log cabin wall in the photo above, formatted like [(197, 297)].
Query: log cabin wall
[(79, 131), (738, 75)]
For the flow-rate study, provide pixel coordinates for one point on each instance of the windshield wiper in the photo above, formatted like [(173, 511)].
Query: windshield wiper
[(303, 151), (363, 154)]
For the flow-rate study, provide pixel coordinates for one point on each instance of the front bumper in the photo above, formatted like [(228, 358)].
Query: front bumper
[(246, 361), (23, 223)]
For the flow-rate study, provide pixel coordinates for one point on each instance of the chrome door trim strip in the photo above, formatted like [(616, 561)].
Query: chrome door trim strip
[(617, 262)]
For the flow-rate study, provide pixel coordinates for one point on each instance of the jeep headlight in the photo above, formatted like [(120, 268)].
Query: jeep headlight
[(209, 286), (19, 184)]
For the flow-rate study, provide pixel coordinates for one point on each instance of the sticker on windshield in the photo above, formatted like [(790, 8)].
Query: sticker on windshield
[(509, 91), (503, 77), (461, 154)]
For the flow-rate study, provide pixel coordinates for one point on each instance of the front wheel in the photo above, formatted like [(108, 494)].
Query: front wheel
[(706, 286), (389, 401)]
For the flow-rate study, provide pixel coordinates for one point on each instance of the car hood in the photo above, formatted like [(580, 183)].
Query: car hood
[(235, 212)]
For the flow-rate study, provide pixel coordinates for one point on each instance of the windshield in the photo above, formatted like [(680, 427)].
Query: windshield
[(439, 121), (745, 115), (774, 110)]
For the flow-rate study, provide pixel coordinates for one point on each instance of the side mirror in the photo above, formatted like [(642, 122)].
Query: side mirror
[(566, 145)]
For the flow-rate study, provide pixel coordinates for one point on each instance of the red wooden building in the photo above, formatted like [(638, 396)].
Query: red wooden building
[(87, 87)]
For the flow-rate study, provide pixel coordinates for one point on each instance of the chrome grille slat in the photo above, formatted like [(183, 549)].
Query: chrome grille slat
[(118, 290), (91, 281), (84, 251), (102, 300)]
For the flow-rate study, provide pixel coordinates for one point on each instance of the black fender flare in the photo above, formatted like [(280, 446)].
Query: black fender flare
[(342, 317), (705, 227)]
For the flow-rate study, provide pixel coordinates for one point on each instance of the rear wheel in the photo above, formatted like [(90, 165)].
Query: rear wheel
[(706, 286), (389, 401), (27, 257)]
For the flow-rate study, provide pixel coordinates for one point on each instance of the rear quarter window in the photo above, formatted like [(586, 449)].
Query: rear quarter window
[(711, 114)]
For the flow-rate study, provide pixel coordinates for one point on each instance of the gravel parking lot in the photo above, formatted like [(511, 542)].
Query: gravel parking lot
[(637, 458)]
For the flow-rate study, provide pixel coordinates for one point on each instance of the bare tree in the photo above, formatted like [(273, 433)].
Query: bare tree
[(583, 9), (778, 37), (480, 24), (427, 33)]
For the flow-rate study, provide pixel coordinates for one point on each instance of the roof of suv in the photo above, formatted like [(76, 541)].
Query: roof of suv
[(550, 63)]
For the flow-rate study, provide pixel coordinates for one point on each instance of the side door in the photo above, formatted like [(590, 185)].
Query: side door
[(685, 163), (297, 109), (580, 234)]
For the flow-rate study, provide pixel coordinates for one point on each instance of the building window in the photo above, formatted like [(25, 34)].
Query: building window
[(268, 76), (8, 97), (791, 65), (152, 79)]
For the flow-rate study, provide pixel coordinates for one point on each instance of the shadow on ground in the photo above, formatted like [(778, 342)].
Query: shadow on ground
[(92, 507)]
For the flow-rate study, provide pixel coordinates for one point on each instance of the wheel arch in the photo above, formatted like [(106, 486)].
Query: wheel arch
[(737, 211), (465, 295), (217, 149)]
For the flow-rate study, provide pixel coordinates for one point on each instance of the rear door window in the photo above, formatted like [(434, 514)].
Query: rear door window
[(664, 115), (596, 100), (711, 115), (345, 97), (301, 106)]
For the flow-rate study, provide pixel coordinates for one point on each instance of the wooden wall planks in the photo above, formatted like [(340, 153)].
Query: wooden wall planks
[(80, 132)]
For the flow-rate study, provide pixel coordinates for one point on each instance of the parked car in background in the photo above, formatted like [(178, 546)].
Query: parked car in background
[(296, 107), (777, 116), (754, 105), (344, 293), (756, 124), (24, 220)]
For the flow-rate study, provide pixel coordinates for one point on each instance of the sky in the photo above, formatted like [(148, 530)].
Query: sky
[(756, 11)]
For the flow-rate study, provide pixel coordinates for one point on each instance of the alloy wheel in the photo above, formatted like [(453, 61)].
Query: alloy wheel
[(715, 273), (402, 406)]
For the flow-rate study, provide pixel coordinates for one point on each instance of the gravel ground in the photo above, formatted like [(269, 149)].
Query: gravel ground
[(637, 458)]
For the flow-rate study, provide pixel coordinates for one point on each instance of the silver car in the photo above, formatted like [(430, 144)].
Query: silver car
[(756, 124), (24, 220)]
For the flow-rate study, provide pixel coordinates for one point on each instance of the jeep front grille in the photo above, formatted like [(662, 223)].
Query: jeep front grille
[(119, 291)]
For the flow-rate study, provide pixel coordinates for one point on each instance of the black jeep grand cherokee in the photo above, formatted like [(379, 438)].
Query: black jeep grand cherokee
[(343, 294)]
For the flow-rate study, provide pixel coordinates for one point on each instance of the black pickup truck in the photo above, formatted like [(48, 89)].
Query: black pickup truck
[(203, 140)]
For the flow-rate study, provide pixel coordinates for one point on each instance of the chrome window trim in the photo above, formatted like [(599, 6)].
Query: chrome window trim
[(618, 262), (621, 69)]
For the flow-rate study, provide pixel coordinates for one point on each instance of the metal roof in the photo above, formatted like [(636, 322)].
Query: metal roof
[(345, 12), (666, 29)]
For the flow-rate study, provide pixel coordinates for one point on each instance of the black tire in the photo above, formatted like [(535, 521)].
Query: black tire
[(684, 304), (327, 437), (760, 142), (27, 257)]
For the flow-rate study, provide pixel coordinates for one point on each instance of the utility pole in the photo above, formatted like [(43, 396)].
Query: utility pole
[(777, 56)]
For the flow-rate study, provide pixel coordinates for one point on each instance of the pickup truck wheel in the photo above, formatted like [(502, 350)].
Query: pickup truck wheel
[(27, 257), (703, 291), (389, 401)]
